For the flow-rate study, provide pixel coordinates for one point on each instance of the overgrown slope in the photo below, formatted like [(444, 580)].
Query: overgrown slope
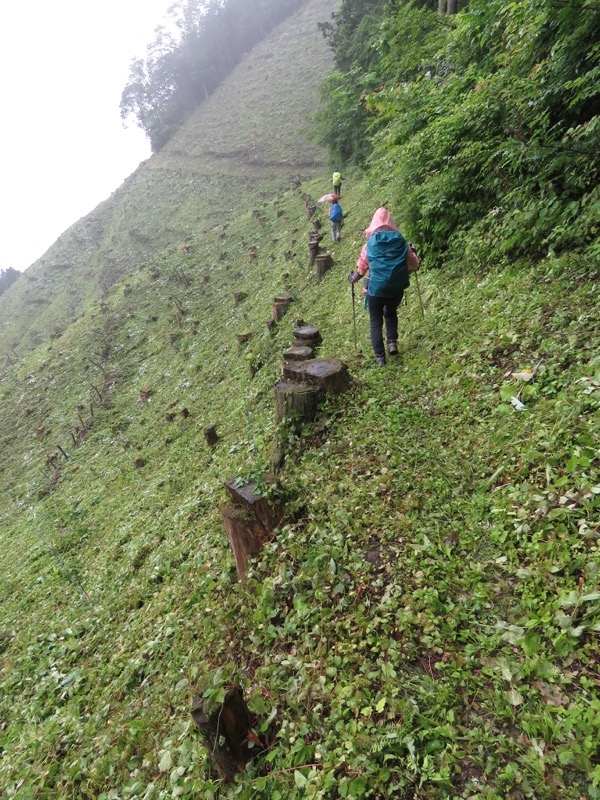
[(246, 143), (424, 624)]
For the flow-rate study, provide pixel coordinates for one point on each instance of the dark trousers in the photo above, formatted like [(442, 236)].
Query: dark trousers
[(380, 309)]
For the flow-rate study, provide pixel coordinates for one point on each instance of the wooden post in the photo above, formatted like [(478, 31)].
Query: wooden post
[(226, 729)]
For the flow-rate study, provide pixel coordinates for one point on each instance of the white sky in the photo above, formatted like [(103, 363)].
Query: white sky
[(63, 148)]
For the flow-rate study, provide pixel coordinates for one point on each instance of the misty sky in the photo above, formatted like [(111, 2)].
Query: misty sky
[(63, 148)]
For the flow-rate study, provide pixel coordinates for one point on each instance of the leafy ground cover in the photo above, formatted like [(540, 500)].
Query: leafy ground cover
[(425, 624)]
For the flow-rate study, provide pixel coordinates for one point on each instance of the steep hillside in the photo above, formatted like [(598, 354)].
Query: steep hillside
[(247, 142), (424, 623)]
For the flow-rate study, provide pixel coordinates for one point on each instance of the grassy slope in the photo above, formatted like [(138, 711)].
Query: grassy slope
[(426, 626), (246, 142), (425, 623)]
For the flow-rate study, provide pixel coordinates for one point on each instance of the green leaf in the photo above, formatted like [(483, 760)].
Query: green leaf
[(166, 762), (515, 698), (299, 779)]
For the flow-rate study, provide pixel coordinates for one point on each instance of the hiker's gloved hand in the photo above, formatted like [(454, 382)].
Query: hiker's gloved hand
[(354, 277)]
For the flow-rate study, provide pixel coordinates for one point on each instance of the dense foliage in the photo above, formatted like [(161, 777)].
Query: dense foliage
[(483, 127), (7, 277), (191, 56)]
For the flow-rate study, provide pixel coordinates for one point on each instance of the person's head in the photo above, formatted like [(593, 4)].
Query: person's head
[(381, 219)]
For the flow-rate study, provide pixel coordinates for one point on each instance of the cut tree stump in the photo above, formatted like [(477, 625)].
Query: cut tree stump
[(324, 262), (299, 353), (250, 524), (280, 306), (226, 729), (211, 435), (328, 373), (308, 335), (243, 337), (313, 249), (245, 496), (246, 535), (296, 401)]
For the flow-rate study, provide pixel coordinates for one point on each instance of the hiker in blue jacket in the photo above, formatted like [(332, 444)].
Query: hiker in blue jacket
[(336, 215), (388, 258)]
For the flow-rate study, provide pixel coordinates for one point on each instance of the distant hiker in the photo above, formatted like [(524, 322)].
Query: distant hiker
[(388, 258), (336, 215), (336, 182)]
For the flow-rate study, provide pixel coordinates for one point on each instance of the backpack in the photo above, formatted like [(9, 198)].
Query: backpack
[(337, 178), (335, 214), (388, 269)]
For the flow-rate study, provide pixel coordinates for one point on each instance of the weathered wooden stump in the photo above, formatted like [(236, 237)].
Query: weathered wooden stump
[(280, 306), (329, 373), (313, 250), (299, 353), (211, 435), (296, 401), (250, 523), (145, 395), (324, 262), (307, 336), (243, 337), (226, 729)]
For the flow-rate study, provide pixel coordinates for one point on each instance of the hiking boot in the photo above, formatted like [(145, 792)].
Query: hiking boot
[(393, 348), (380, 361)]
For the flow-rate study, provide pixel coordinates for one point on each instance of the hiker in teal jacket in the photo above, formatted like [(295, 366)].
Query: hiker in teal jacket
[(388, 258)]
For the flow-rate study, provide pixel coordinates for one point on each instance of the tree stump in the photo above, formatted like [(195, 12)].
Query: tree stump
[(308, 336), (243, 337), (299, 353), (280, 306), (296, 401), (226, 729), (329, 373), (324, 263), (211, 435), (246, 534), (251, 523), (313, 250)]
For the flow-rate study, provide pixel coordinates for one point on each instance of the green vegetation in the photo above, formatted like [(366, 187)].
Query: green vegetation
[(425, 622), (188, 59), (482, 127), (7, 278)]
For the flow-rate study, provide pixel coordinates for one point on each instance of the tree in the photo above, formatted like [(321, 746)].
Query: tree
[(7, 278)]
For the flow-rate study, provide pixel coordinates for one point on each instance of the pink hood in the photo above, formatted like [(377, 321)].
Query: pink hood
[(381, 219)]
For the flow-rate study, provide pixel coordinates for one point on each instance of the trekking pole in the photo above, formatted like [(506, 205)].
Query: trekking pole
[(354, 315), (420, 298)]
